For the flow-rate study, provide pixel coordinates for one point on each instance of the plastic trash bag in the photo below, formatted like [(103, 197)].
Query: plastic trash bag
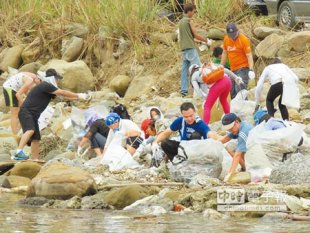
[(276, 142), (243, 109), (118, 158), (291, 96), (197, 157)]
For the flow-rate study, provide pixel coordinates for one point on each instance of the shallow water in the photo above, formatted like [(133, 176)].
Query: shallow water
[(18, 219)]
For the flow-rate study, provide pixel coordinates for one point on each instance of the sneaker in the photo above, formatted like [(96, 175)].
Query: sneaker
[(183, 94), (21, 156)]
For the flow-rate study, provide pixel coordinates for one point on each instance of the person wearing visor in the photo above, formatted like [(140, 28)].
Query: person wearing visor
[(14, 89), (237, 48), (127, 128), (97, 133), (239, 130), (35, 103)]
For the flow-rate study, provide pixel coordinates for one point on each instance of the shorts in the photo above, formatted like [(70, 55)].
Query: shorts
[(10, 97), (134, 142), (29, 121), (170, 147)]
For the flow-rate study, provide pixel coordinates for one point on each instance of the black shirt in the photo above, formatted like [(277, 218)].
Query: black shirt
[(39, 97), (98, 126)]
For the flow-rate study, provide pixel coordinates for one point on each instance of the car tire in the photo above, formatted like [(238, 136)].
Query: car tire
[(286, 15)]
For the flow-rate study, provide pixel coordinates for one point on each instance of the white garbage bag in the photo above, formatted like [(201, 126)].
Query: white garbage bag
[(117, 157), (243, 109), (195, 157), (291, 96)]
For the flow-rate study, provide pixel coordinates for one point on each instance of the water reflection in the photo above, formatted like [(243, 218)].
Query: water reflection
[(17, 219)]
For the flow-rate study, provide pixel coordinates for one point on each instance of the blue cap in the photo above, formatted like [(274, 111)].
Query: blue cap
[(259, 115), (228, 121), (112, 118)]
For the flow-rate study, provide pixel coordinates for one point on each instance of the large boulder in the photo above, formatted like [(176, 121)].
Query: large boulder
[(15, 181), (263, 32), (240, 178), (77, 75), (77, 29), (215, 34), (140, 85), (32, 51), (302, 73), (292, 172), (120, 84), (32, 67), (11, 57), (59, 181), (27, 169), (299, 41), (72, 49), (122, 197), (270, 46)]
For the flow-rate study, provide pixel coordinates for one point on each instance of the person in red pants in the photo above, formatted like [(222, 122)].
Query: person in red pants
[(211, 91)]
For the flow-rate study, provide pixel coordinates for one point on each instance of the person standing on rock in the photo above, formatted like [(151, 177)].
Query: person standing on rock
[(211, 92), (188, 33), (237, 48), (97, 133), (128, 130), (239, 130), (34, 104), (277, 73), (189, 126), (14, 90)]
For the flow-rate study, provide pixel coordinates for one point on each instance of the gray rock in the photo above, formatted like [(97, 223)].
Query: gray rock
[(302, 73), (72, 49), (95, 202), (77, 29), (213, 214), (32, 51), (276, 216), (31, 67), (215, 34), (270, 46), (299, 41), (35, 201), (263, 32), (120, 84), (77, 75), (5, 157), (8, 143), (140, 85), (11, 57), (294, 171)]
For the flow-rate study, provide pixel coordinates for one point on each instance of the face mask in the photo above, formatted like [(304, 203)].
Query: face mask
[(115, 130), (155, 118)]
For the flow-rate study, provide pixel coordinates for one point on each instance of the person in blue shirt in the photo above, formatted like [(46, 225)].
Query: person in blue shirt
[(239, 130), (271, 122), (189, 126)]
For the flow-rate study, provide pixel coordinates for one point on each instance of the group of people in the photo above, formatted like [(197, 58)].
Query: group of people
[(229, 73)]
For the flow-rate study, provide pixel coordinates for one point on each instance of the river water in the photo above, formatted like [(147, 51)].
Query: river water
[(18, 219)]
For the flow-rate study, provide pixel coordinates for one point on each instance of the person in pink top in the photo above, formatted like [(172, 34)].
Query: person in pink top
[(211, 92)]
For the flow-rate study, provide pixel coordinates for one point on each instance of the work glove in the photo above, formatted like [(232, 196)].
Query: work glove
[(251, 74), (84, 96), (79, 151), (239, 81), (227, 177)]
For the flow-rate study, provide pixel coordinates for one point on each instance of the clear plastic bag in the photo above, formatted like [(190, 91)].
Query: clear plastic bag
[(243, 109)]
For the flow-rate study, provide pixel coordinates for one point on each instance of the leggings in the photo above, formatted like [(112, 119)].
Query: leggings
[(275, 91), (220, 90)]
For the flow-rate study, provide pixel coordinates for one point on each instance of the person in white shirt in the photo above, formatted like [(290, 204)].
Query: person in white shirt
[(14, 89), (276, 72), (129, 130)]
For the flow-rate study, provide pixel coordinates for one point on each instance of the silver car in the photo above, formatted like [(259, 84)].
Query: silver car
[(289, 12)]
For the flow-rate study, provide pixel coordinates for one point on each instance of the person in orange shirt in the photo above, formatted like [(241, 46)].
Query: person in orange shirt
[(237, 48)]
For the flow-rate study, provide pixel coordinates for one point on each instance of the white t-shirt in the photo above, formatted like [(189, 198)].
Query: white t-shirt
[(15, 82), (275, 73), (124, 126)]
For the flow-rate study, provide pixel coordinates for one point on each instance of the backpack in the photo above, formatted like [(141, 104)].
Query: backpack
[(121, 110), (211, 74)]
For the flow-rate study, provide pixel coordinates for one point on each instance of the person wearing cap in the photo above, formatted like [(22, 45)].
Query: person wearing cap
[(14, 89), (35, 103), (211, 92), (276, 72), (189, 126), (237, 48), (188, 33), (127, 128), (97, 133), (239, 130)]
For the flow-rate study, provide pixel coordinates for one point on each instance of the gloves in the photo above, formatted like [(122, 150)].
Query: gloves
[(79, 151), (84, 96), (251, 74), (227, 177), (239, 80)]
